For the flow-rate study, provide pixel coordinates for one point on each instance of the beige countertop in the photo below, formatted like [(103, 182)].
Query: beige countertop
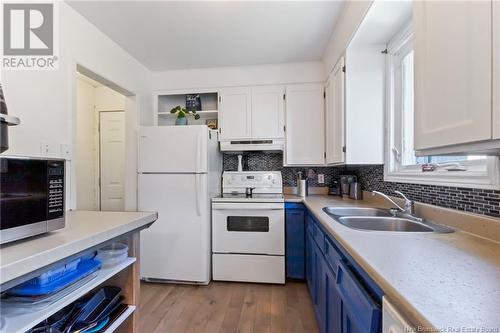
[(84, 229), (439, 281)]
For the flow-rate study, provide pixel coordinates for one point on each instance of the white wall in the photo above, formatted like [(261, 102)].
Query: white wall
[(45, 100), (348, 22), (239, 76)]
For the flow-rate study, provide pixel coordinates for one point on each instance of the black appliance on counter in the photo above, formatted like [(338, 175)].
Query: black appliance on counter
[(5, 122), (31, 196)]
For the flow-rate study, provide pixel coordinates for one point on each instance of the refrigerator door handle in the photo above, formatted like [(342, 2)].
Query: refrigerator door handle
[(198, 152), (198, 193)]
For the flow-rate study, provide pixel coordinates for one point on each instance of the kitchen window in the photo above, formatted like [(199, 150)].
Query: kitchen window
[(402, 165)]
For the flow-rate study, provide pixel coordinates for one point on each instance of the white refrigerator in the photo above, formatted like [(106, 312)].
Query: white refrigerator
[(179, 170)]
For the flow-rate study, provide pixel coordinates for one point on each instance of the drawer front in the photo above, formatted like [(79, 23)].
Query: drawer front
[(248, 268), (362, 310), (332, 255), (319, 237)]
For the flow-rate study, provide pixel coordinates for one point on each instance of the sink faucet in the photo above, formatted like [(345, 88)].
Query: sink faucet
[(408, 207)]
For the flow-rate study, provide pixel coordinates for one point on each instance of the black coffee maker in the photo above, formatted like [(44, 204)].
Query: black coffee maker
[(5, 122)]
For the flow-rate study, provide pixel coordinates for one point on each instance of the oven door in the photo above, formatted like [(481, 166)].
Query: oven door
[(248, 228)]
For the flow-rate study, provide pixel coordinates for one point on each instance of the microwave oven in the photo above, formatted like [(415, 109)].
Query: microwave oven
[(31, 197)]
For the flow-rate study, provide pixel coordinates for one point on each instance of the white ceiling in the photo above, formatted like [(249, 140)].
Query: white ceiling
[(177, 35)]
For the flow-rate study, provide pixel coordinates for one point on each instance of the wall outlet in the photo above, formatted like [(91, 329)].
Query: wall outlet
[(321, 178)]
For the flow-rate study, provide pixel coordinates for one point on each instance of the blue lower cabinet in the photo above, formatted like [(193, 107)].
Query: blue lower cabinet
[(360, 313), (295, 241), (320, 289), (333, 303), (341, 303), (309, 262)]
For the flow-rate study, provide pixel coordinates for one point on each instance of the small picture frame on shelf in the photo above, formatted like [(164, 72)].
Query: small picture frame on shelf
[(193, 102), (211, 123)]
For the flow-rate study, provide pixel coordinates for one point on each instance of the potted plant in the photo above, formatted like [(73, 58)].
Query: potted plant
[(182, 114)]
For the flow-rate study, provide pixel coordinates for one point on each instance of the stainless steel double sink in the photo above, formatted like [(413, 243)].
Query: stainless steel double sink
[(377, 219)]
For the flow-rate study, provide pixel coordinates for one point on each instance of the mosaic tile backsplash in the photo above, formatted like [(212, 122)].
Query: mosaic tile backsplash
[(371, 177)]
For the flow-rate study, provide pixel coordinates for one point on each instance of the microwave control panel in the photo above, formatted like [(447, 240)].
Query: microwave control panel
[(55, 170)]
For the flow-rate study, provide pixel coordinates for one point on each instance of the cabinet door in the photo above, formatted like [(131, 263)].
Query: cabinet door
[(295, 237), (309, 262), (452, 72), (268, 114), (305, 140), (333, 302), (360, 313), (235, 114), (335, 115), (320, 305), (496, 69)]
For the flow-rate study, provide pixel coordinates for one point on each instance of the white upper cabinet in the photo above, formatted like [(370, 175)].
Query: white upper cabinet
[(496, 69), (453, 72), (335, 115), (304, 119), (268, 112), (235, 114)]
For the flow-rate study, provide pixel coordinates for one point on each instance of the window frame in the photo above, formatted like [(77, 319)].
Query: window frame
[(484, 173)]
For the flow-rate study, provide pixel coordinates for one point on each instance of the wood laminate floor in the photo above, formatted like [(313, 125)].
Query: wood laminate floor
[(226, 307)]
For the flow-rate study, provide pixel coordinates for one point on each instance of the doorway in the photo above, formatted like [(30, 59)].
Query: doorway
[(100, 146)]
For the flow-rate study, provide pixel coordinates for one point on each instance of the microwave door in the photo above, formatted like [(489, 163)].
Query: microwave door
[(23, 197)]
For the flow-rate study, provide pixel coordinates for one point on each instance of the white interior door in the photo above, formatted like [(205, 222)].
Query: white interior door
[(112, 160), (496, 69), (452, 72), (305, 126), (268, 112), (235, 113), (335, 111), (177, 245)]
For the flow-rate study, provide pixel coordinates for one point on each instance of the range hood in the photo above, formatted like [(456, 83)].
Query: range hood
[(253, 145)]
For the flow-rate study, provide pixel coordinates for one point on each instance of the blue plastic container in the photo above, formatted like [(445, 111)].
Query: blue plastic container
[(53, 283)]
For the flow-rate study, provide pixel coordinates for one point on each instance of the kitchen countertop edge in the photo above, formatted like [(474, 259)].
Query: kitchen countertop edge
[(46, 249)]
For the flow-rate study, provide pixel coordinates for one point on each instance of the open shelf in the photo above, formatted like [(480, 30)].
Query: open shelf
[(15, 321), (202, 113), (116, 324), (165, 101)]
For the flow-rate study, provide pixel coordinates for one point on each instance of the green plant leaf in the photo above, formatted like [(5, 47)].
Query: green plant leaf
[(175, 109), (196, 116)]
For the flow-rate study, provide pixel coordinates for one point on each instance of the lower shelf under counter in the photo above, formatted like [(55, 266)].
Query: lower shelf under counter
[(14, 321)]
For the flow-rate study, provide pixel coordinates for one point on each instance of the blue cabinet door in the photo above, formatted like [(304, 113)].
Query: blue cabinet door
[(320, 288), (310, 260), (295, 243), (333, 302), (360, 313)]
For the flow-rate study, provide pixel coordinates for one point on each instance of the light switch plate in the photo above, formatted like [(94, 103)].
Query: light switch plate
[(65, 151), (44, 149), (321, 178)]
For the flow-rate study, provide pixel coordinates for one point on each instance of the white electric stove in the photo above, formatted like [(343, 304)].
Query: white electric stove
[(248, 230)]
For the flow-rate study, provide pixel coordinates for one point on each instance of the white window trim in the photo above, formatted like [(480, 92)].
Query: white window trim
[(478, 175)]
